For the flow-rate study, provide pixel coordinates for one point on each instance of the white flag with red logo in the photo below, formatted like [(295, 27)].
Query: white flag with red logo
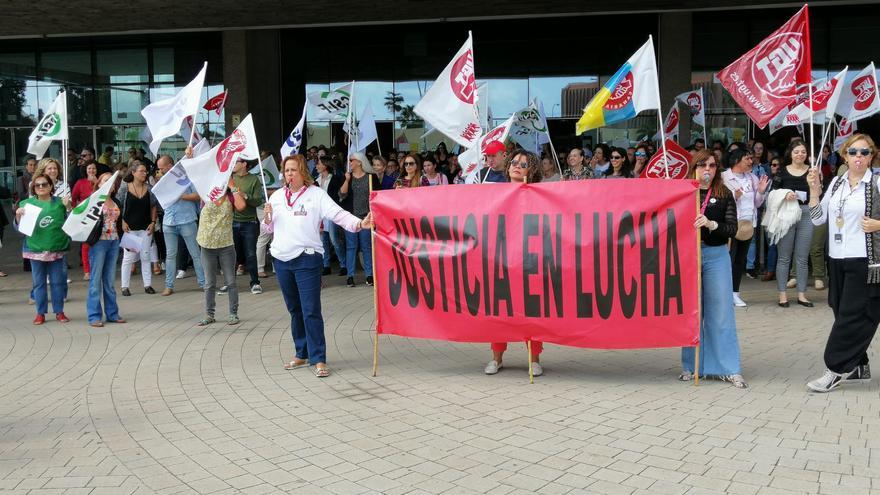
[(164, 117), (694, 100), (677, 160), (764, 81), (450, 104), (210, 171), (859, 99), (671, 124), (844, 131), (472, 161), (826, 93)]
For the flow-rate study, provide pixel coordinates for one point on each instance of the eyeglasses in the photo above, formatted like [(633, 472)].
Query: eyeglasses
[(519, 164), (862, 151), (41, 184), (641, 153), (409, 163)]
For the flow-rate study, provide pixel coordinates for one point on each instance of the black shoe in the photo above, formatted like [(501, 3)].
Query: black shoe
[(149, 290), (125, 291), (326, 271), (350, 281), (783, 304), (806, 304), (862, 374), (370, 281), (342, 272)]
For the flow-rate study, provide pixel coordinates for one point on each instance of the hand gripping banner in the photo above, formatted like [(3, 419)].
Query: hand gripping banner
[(597, 264)]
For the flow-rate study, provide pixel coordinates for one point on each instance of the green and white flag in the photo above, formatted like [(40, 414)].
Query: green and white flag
[(328, 104), (52, 127), (82, 219), (270, 172)]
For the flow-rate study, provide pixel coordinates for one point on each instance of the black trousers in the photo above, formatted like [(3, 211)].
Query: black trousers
[(856, 307), (739, 251)]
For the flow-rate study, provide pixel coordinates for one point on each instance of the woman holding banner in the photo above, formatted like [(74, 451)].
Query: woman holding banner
[(854, 266), (718, 224), (46, 246), (295, 213), (522, 167), (103, 254)]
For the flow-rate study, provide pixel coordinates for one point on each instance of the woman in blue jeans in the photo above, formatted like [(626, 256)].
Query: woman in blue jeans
[(295, 213), (718, 224), (355, 197), (102, 260)]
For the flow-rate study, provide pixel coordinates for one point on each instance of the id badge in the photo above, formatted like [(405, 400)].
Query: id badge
[(838, 238)]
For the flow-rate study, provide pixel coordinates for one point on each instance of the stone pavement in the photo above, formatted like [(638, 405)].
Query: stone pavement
[(159, 405)]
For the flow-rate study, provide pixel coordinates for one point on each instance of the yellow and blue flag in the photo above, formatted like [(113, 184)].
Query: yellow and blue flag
[(630, 90)]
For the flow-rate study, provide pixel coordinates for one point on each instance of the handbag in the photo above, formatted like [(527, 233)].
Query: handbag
[(95, 234), (744, 230)]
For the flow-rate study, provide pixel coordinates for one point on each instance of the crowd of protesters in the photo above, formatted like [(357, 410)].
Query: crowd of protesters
[(759, 225)]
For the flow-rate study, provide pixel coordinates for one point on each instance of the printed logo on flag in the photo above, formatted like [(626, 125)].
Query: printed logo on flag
[(792, 119), (492, 136), (822, 94), (672, 121), (775, 60), (677, 159), (863, 89), (83, 205), (532, 118), (50, 126), (623, 93), (462, 79), (695, 103), (229, 148)]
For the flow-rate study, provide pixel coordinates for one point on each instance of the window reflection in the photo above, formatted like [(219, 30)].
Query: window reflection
[(122, 66), (67, 67)]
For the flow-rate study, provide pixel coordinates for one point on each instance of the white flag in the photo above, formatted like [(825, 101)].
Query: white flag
[(450, 104), (291, 145), (671, 123), (171, 186), (186, 129), (483, 104), (471, 160), (844, 131), (826, 94), (694, 100), (329, 104), (52, 127), (210, 172), (270, 172), (365, 128), (165, 117), (82, 219), (529, 128), (860, 98)]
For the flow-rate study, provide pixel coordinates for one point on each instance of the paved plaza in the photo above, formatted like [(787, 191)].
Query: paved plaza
[(159, 405)]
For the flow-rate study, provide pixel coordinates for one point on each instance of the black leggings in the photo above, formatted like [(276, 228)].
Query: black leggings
[(739, 251)]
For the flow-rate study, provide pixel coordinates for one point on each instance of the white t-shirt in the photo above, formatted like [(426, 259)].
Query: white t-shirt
[(296, 221)]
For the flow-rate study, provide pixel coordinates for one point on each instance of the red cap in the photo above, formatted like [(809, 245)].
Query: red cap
[(494, 147)]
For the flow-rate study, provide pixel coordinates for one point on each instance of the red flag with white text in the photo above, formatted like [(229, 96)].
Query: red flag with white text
[(677, 160), (217, 102)]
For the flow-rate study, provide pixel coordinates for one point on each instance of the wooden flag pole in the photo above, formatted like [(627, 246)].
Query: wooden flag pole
[(555, 156), (699, 298), (529, 350), (812, 141), (375, 289)]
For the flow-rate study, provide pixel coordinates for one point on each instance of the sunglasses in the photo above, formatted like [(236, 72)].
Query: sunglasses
[(410, 163), (615, 157), (640, 153), (41, 184), (862, 151), (520, 164)]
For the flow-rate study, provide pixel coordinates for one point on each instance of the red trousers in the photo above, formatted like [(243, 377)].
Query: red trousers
[(84, 251), (537, 347)]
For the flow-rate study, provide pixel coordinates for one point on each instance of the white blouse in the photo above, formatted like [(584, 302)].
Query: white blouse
[(847, 241)]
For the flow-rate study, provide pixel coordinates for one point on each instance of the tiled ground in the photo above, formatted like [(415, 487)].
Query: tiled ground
[(159, 405)]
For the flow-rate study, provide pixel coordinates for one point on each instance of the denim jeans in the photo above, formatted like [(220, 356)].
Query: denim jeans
[(331, 240), (57, 273), (719, 347), (300, 282), (353, 240), (226, 258), (245, 234), (188, 232), (102, 259)]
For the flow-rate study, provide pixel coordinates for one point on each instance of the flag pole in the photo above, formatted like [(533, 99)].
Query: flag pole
[(555, 156), (192, 130), (529, 350), (703, 104), (64, 155), (659, 112), (810, 108)]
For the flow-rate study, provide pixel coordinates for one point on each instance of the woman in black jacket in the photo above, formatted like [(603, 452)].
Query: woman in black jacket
[(331, 235)]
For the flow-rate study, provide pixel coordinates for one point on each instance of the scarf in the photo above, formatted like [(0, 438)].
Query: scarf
[(872, 210), (780, 214)]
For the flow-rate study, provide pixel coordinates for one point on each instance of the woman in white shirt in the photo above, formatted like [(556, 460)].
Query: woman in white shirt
[(295, 213), (749, 192), (852, 209)]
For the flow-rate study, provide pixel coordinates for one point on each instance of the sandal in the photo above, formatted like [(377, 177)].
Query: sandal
[(206, 321), (3, 274), (232, 320), (322, 372), (296, 363), (736, 380), (686, 376)]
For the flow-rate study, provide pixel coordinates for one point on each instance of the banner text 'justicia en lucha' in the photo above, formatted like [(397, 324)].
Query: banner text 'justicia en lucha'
[(600, 264)]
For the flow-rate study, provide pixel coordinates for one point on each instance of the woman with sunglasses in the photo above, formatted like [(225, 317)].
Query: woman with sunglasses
[(620, 166), (641, 159), (719, 346), (412, 172), (46, 247), (796, 241), (851, 207), (522, 168)]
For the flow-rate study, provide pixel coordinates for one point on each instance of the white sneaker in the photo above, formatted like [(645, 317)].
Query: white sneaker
[(792, 283), (493, 367), (180, 274), (828, 382), (737, 301), (537, 369), (257, 289)]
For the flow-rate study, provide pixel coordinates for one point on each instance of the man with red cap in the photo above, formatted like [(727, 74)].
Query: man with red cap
[(496, 161)]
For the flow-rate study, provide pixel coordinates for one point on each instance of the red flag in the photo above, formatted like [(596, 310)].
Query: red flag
[(677, 159), (764, 81), (216, 103)]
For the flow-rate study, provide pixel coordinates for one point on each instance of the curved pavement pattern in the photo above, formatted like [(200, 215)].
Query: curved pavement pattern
[(159, 405)]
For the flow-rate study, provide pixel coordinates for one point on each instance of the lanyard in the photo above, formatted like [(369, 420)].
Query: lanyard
[(288, 194), (706, 202)]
